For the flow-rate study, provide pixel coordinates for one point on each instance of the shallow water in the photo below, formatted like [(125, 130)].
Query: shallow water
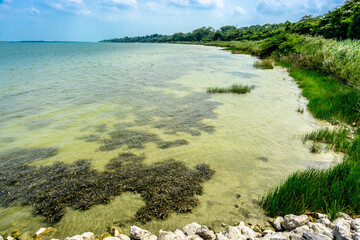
[(80, 97)]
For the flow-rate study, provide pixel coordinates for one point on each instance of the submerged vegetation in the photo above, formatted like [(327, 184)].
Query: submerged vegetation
[(50, 189), (235, 88)]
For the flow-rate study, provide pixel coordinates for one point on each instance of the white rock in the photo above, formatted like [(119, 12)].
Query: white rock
[(193, 237), (337, 221), (220, 236), (292, 221), (344, 215), (10, 238), (1, 238), (76, 237), (233, 233), (300, 230), (278, 236), (267, 232), (356, 236), (205, 233), (191, 228), (88, 236), (320, 229), (324, 221), (40, 232), (342, 231), (355, 224), (311, 236), (122, 237), (278, 223), (248, 232), (180, 233), (322, 216), (138, 233), (111, 238), (294, 236), (163, 235)]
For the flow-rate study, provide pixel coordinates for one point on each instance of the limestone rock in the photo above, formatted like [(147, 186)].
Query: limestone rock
[(355, 224), (137, 233), (320, 229), (324, 221), (122, 237), (1, 238), (76, 237), (193, 237), (311, 236), (292, 221), (278, 236), (248, 232), (163, 235), (111, 238), (205, 233), (180, 233), (342, 230), (294, 236), (191, 228), (233, 233), (356, 236), (219, 236), (278, 223), (88, 236), (345, 216), (322, 216), (300, 230)]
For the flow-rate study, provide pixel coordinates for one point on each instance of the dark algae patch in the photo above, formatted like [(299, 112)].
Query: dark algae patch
[(165, 187)]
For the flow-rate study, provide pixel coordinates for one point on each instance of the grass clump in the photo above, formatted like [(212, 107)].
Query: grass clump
[(166, 187), (236, 88), (338, 139), (264, 64)]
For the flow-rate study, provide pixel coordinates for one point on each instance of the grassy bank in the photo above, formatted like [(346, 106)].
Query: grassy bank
[(327, 71)]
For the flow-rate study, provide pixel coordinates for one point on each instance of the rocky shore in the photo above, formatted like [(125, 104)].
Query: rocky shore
[(290, 227)]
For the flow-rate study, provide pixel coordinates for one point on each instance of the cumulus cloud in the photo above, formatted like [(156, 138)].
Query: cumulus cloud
[(274, 7), (199, 3), (34, 10), (153, 6), (239, 10), (124, 3)]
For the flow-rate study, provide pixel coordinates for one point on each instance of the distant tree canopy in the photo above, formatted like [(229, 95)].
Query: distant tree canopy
[(340, 23)]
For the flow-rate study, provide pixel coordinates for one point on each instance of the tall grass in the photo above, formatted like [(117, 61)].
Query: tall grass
[(338, 139), (236, 88), (238, 47), (264, 64)]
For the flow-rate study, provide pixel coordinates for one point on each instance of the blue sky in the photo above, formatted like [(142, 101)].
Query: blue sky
[(93, 20)]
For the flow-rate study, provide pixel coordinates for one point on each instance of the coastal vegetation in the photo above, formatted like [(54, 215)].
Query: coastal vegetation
[(322, 53), (235, 88)]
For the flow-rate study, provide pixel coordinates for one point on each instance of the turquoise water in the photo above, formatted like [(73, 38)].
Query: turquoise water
[(61, 102)]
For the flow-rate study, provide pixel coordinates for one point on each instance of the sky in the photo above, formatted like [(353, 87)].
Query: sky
[(94, 20)]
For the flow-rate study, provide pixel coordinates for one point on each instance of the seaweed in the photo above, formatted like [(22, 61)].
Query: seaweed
[(166, 187)]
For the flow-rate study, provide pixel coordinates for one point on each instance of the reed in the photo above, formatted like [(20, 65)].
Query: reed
[(235, 88)]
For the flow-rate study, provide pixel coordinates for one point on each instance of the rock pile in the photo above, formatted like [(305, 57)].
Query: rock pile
[(289, 227)]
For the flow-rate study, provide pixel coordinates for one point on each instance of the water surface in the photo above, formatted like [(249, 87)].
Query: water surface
[(78, 98)]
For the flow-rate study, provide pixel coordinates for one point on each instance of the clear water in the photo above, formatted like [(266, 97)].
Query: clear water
[(73, 95)]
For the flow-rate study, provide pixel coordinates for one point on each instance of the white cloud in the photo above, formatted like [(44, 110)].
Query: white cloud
[(199, 3), (34, 10), (128, 3), (208, 3), (83, 12), (281, 6), (239, 11), (76, 1), (57, 6), (153, 6)]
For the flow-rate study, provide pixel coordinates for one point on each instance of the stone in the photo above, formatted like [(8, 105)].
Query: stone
[(180, 233), (355, 224), (345, 216), (1, 238), (122, 237), (137, 233), (76, 237), (342, 230), (193, 237), (356, 236), (191, 228), (278, 236), (300, 230), (293, 236), (324, 221), (233, 233), (205, 233), (248, 232), (320, 229), (111, 238), (322, 216), (40, 232), (292, 221), (278, 223), (220, 236), (88, 236), (9, 238), (338, 220), (163, 235), (312, 236)]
